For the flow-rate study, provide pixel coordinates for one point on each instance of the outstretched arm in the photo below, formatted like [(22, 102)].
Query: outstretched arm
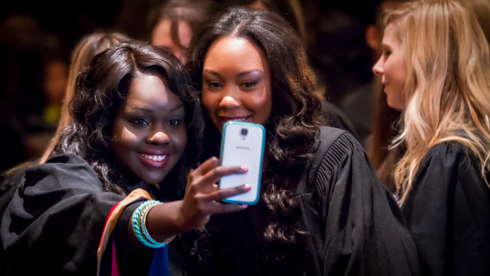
[(202, 199)]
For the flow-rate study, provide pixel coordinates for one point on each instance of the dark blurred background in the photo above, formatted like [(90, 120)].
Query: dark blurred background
[(67, 19)]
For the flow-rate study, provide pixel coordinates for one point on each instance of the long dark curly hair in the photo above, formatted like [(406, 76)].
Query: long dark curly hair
[(291, 128), (103, 88)]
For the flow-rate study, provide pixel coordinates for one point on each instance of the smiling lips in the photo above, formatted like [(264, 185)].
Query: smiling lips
[(156, 160), (238, 119)]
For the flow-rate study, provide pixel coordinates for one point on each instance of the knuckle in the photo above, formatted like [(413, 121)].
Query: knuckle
[(221, 194), (219, 170)]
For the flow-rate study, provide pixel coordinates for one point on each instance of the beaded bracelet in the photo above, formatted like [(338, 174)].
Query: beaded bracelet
[(138, 222)]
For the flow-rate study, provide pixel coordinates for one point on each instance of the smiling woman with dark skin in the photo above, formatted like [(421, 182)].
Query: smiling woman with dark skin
[(322, 210), (149, 103), (132, 140)]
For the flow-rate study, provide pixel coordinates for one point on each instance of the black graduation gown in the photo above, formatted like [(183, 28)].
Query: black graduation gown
[(55, 219), (448, 213), (354, 225)]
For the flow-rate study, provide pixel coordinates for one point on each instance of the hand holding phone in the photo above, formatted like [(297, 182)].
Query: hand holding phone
[(242, 144)]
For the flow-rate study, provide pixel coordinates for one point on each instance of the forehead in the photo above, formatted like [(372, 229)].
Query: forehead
[(234, 52), (150, 90), (162, 32)]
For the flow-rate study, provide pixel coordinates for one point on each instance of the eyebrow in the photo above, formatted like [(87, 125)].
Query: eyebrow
[(149, 110), (239, 74), (385, 46)]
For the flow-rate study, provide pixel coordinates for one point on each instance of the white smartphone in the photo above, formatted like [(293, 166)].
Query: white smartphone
[(242, 144)]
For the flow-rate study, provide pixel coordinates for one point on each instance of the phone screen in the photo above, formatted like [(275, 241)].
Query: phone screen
[(242, 144)]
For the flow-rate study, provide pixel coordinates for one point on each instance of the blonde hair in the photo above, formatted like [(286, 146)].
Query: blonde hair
[(88, 47), (481, 9), (447, 88)]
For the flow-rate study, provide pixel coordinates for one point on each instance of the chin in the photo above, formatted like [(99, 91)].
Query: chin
[(153, 180)]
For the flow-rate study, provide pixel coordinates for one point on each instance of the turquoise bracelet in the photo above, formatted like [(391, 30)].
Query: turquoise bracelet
[(138, 226), (145, 230)]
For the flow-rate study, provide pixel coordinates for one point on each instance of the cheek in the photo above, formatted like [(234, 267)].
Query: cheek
[(121, 146), (124, 139), (260, 102), (128, 138), (398, 70), (403, 75), (180, 140), (181, 143), (210, 101)]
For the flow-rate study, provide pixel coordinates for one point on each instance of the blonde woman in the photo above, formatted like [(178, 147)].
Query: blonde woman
[(435, 68)]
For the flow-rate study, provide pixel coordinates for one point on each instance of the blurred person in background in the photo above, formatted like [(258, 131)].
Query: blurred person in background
[(85, 49), (342, 61), (172, 24), (21, 84), (40, 126)]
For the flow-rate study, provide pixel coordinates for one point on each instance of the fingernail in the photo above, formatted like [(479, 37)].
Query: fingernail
[(247, 187), (244, 206), (245, 169)]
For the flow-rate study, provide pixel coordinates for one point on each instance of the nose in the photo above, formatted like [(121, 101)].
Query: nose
[(378, 68), (158, 136), (229, 102), (231, 98)]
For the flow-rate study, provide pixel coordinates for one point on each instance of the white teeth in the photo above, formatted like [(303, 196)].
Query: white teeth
[(153, 157), (239, 120)]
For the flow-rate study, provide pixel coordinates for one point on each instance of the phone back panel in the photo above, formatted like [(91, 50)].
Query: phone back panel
[(243, 145)]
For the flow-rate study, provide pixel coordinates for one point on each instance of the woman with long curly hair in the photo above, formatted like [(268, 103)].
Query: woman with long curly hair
[(322, 209), (435, 68), (95, 206)]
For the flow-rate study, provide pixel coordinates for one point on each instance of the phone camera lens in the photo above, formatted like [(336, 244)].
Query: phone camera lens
[(244, 131)]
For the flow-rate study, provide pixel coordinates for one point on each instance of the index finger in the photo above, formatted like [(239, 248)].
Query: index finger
[(207, 165), (217, 173)]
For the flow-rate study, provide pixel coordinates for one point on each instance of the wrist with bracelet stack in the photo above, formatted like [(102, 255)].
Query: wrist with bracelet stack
[(138, 223)]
